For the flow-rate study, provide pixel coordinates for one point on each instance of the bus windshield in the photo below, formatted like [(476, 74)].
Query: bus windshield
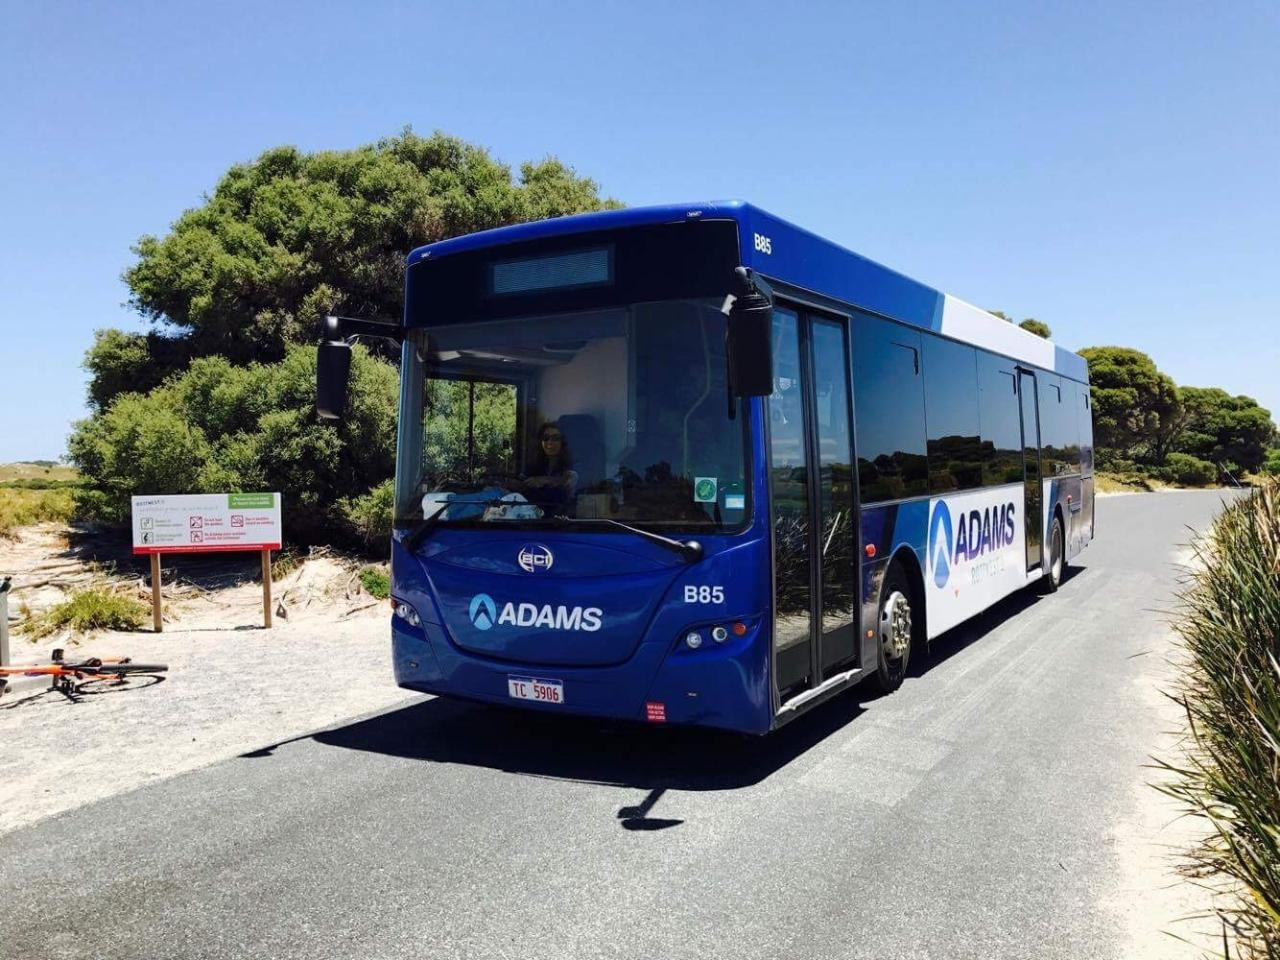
[(619, 413)]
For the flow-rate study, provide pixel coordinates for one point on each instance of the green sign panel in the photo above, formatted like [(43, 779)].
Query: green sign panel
[(251, 501)]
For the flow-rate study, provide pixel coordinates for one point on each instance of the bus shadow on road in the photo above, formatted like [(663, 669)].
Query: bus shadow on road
[(616, 753), (583, 749), (958, 638)]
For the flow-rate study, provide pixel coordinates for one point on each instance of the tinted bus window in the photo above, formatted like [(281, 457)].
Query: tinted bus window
[(888, 402), (1060, 448), (951, 415), (1071, 423), (998, 420), (1084, 428)]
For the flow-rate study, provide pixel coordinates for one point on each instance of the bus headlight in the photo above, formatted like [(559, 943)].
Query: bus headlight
[(407, 613), (693, 639)]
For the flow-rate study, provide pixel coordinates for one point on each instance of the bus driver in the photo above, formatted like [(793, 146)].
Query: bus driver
[(552, 479)]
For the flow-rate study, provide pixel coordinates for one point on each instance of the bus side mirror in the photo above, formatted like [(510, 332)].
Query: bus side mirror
[(749, 341), (333, 370)]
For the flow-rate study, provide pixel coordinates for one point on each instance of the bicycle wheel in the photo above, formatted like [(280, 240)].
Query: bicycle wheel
[(121, 669)]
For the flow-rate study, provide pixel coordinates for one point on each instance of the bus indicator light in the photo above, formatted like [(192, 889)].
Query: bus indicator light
[(739, 629), (869, 550), (655, 712)]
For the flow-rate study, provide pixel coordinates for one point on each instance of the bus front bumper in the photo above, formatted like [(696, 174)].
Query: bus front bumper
[(722, 686)]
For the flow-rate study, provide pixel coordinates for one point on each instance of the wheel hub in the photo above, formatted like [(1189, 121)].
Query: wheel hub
[(895, 626)]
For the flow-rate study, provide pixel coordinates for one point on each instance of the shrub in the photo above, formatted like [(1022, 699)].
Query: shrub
[(21, 508), (98, 607), (1187, 470), (1230, 626), (224, 427), (1272, 463), (370, 515), (376, 582)]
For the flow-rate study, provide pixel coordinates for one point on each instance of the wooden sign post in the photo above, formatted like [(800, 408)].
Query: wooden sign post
[(207, 523), (156, 620), (266, 588)]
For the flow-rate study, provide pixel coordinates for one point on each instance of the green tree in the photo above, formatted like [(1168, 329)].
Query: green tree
[(120, 362), (291, 236), (1136, 411), (222, 426), (1038, 327), (220, 395), (1225, 429), (1031, 325)]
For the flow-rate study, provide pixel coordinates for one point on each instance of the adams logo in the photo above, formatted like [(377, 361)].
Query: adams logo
[(484, 614), (940, 543), (483, 611), (970, 536)]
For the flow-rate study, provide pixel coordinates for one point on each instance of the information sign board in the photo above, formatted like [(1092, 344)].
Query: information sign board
[(200, 522)]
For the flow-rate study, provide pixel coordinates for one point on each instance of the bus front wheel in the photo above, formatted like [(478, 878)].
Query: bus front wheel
[(899, 626)]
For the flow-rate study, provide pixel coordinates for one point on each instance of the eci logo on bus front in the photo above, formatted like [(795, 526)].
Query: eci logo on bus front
[(534, 557)]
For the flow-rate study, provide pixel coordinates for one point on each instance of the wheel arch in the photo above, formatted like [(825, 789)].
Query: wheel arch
[(906, 558), (1061, 517)]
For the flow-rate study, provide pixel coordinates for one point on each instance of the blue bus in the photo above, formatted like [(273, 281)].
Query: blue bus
[(696, 465)]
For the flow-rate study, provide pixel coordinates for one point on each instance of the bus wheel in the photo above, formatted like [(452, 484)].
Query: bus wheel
[(898, 628), (1057, 558)]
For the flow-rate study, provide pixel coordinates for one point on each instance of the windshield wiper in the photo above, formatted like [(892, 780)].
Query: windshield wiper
[(415, 536), (690, 551)]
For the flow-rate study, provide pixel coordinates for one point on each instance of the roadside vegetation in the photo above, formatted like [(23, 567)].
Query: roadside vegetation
[(1230, 774), (100, 606), (21, 507), (220, 394), (376, 582), (1149, 432)]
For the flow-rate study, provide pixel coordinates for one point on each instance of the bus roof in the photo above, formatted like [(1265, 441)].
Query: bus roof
[(781, 251)]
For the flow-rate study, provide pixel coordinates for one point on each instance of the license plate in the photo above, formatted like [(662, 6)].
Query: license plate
[(530, 688)]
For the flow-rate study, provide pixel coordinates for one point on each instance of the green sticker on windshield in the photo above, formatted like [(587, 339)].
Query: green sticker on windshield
[(704, 489)]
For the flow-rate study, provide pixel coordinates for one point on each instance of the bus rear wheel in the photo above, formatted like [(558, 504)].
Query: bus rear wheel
[(1057, 557), (899, 626)]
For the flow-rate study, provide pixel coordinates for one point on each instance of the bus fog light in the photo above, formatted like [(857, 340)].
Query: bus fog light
[(719, 634), (693, 639)]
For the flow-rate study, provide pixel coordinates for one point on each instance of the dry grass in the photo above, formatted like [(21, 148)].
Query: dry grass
[(21, 508), (37, 471), (1107, 482)]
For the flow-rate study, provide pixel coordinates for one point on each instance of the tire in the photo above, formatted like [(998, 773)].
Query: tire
[(900, 628), (1057, 557), (120, 669)]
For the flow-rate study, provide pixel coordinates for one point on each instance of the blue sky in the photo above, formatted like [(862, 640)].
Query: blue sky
[(1112, 169)]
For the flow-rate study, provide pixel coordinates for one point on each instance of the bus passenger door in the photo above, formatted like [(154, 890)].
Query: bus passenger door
[(1034, 508), (811, 492)]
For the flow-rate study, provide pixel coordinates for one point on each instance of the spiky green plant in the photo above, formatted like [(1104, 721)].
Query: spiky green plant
[(1230, 774), (101, 606)]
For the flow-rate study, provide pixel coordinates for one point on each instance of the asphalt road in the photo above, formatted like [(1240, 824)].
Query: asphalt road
[(978, 812)]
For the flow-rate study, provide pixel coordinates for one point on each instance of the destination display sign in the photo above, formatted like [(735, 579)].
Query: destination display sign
[(200, 522)]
